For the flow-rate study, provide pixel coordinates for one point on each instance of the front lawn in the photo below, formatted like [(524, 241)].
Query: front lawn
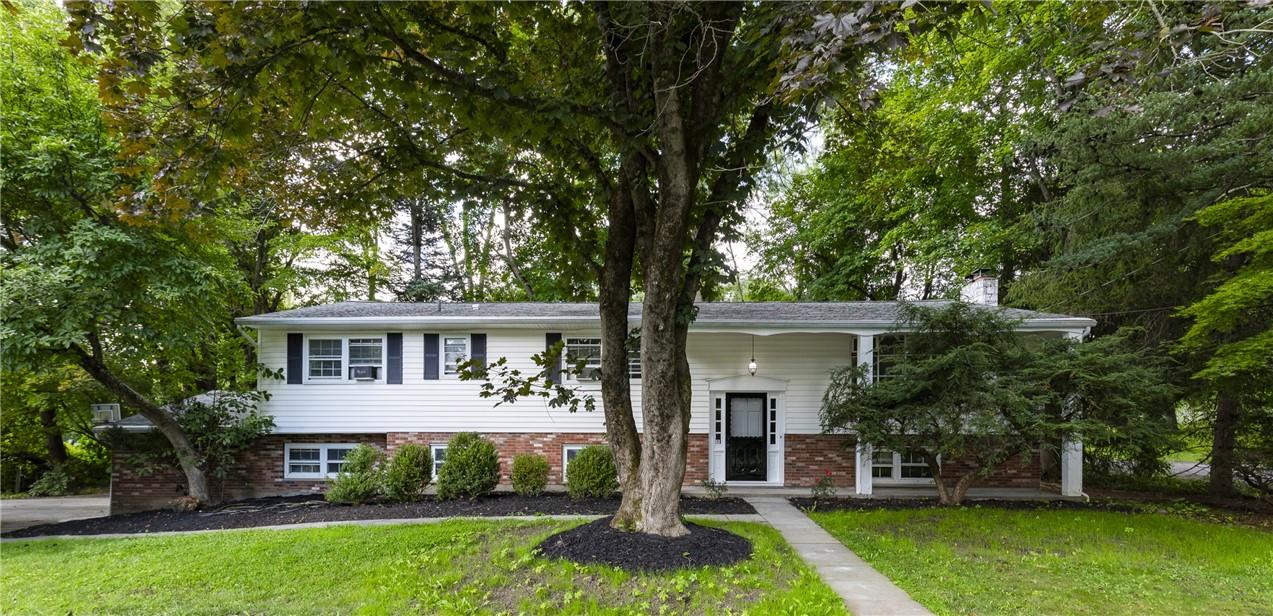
[(992, 561), (451, 567)]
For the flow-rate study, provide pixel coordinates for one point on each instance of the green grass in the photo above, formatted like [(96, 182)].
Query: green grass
[(994, 561), (456, 567)]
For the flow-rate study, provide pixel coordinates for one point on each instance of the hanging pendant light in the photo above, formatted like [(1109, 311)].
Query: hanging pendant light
[(751, 365)]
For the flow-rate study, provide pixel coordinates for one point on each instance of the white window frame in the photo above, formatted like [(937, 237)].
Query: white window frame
[(567, 366), (322, 459), (895, 475), (879, 357), (344, 358), (309, 358), (433, 455), (380, 363), (633, 356), (468, 353), (565, 457)]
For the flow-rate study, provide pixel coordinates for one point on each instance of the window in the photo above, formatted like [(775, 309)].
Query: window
[(588, 351), (568, 455), (888, 350), (456, 350), (717, 431), (324, 358), (584, 355), (906, 467), (314, 461), (439, 456), (914, 466), (366, 352), (882, 464)]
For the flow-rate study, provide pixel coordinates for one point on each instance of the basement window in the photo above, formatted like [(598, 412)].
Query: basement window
[(314, 460), (905, 467), (568, 455)]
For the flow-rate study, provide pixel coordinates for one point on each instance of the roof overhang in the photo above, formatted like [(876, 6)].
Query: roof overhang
[(755, 328)]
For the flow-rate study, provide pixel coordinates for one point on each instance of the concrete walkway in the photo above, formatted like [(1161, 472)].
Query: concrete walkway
[(866, 592), (18, 513)]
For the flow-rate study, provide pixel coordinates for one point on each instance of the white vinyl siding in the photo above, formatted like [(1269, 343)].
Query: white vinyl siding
[(448, 405), (314, 460), (634, 364)]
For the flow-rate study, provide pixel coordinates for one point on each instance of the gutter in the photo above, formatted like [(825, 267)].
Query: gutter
[(450, 321)]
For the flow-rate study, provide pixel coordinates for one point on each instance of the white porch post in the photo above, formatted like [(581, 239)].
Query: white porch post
[(1072, 467), (1072, 453), (862, 479)]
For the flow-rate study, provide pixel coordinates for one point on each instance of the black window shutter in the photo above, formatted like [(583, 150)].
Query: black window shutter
[(393, 371), (554, 371), (295, 359), (431, 356), (478, 342)]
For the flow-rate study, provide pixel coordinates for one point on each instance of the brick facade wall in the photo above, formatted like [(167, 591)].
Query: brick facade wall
[(549, 445), (809, 457), (259, 472), (1021, 471)]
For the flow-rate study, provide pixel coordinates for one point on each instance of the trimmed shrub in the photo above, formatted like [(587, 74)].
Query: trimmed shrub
[(407, 473), (359, 480), (592, 474), (530, 474), (471, 468)]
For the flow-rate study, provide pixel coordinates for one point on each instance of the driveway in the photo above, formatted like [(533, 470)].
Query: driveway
[(18, 513), (1191, 470)]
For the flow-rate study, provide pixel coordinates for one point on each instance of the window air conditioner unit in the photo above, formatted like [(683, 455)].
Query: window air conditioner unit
[(363, 373), (105, 413)]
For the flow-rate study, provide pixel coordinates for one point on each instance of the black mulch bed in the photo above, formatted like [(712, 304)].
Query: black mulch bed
[(312, 508), (597, 543), (868, 504)]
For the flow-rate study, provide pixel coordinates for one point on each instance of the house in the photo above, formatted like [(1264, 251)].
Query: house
[(388, 374)]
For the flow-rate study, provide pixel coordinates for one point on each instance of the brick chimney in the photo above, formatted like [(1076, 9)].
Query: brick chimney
[(982, 287)]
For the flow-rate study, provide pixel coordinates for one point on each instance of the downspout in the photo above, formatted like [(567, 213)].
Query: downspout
[(242, 329)]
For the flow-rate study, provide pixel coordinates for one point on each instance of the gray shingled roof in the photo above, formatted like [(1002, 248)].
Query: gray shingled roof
[(138, 422), (711, 312)]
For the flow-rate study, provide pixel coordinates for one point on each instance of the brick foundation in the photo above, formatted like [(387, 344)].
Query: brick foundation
[(809, 457), (549, 445), (259, 472)]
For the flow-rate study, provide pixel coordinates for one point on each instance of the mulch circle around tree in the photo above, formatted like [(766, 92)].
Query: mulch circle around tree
[(312, 508), (597, 543)]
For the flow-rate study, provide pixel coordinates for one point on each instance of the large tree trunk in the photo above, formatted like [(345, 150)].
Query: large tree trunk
[(616, 395), (53, 437), (190, 460), (1223, 441)]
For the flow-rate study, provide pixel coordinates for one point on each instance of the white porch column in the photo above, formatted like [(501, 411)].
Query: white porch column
[(1072, 452), (1072, 467), (862, 479)]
